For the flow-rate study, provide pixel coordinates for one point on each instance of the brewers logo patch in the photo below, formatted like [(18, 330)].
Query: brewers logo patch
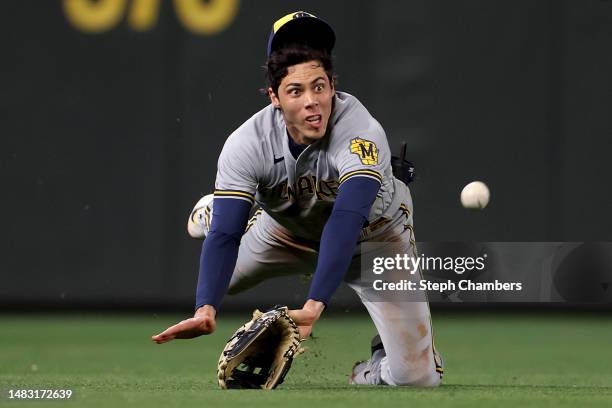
[(366, 150)]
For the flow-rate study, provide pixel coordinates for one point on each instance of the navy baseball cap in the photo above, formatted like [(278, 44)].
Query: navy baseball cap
[(301, 27)]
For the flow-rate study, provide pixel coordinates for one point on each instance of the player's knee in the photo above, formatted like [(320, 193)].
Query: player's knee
[(434, 379), (417, 372), (407, 378)]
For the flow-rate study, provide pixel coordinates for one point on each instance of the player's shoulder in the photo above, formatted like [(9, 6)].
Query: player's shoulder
[(256, 130), (346, 103), (351, 119)]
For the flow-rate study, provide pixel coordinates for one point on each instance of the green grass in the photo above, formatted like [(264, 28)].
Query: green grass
[(504, 360)]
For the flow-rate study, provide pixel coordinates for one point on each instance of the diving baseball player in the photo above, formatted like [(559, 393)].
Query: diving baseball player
[(313, 172)]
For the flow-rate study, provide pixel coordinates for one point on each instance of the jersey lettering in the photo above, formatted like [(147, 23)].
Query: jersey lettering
[(305, 187)]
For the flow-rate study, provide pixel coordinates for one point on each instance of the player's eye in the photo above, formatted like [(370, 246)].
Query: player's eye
[(319, 87), (294, 92)]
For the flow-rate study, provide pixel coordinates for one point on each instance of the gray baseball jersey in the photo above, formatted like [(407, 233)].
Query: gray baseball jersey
[(257, 166)]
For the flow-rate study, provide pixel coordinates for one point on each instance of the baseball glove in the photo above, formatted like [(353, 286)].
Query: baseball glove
[(260, 353)]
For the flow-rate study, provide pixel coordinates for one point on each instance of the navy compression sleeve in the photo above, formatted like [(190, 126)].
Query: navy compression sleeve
[(351, 209), (220, 250)]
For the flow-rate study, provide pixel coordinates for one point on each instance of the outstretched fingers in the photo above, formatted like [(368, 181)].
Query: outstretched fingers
[(169, 334), (186, 329)]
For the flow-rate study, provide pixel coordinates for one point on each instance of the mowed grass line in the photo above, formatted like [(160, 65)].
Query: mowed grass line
[(501, 360)]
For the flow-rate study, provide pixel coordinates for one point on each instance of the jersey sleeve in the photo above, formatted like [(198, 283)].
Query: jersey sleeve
[(340, 236), (220, 251), (238, 171), (363, 152)]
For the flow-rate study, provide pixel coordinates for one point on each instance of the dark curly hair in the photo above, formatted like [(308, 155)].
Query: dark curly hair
[(293, 54)]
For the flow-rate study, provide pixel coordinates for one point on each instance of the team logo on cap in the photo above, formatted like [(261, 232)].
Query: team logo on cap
[(366, 150), (284, 20), (301, 14)]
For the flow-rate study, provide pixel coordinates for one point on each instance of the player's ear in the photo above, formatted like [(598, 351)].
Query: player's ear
[(332, 83), (273, 98)]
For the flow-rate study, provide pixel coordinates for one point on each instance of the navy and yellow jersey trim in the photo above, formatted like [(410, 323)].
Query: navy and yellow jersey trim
[(236, 194), (405, 210), (438, 362), (253, 219), (436, 356), (361, 173)]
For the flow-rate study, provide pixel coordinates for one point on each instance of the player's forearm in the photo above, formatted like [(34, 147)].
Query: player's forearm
[(217, 263), (340, 236), (220, 251), (337, 246)]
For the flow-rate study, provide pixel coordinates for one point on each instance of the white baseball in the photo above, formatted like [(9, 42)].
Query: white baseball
[(475, 195)]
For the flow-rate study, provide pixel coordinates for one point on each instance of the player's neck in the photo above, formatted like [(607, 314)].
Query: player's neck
[(294, 147), (299, 139)]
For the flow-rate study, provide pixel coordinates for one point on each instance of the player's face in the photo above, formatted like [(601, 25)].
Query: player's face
[(305, 98)]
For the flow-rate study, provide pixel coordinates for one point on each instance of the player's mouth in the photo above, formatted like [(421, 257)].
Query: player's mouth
[(315, 121)]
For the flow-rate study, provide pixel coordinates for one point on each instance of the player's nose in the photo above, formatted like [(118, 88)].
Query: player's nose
[(310, 100)]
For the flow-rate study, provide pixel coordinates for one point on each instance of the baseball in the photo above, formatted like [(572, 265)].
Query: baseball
[(475, 195)]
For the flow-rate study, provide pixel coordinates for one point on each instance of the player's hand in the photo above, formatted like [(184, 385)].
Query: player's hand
[(203, 322), (307, 316)]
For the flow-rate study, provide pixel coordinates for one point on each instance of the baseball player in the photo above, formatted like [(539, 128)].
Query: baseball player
[(313, 172)]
